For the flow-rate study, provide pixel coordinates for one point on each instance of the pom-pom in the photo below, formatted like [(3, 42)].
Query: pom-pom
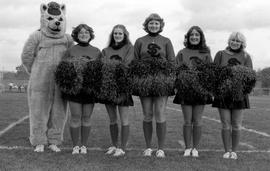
[(189, 84), (153, 77), (115, 86), (68, 75), (92, 78), (240, 82), (68, 78)]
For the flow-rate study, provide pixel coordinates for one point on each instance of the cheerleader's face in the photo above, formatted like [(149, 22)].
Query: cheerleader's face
[(235, 44), (84, 35), (118, 35), (153, 26), (194, 37)]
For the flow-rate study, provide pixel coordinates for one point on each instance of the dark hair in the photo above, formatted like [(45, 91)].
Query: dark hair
[(202, 44), (126, 35), (77, 29), (151, 17)]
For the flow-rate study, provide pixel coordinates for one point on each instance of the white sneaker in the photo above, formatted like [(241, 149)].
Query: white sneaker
[(39, 148), (83, 150), (147, 152), (234, 155), (160, 154), (227, 155), (119, 152), (187, 152), (76, 150), (111, 150), (54, 148), (195, 152)]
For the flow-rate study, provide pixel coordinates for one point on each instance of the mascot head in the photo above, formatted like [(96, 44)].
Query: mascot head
[(53, 20)]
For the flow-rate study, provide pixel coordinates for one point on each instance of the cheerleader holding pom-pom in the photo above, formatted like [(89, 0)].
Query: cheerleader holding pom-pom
[(192, 92), (115, 89), (153, 75), (231, 92), (72, 75)]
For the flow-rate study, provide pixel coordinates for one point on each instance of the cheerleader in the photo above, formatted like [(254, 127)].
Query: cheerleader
[(119, 50), (195, 52), (81, 105), (149, 47), (231, 111)]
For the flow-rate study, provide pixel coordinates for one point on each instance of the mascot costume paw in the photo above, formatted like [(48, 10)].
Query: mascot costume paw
[(41, 54)]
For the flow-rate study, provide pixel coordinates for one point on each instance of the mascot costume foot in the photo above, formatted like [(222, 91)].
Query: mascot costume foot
[(41, 54)]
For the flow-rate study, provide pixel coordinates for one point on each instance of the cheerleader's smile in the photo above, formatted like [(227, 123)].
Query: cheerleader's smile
[(118, 35), (154, 26), (194, 37), (235, 44), (84, 36)]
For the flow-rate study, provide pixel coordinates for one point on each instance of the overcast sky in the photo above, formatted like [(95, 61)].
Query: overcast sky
[(217, 18)]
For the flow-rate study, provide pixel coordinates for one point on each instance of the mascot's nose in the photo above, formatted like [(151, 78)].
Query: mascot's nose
[(57, 23)]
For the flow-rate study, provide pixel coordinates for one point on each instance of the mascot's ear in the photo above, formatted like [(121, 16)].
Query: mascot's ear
[(63, 8), (43, 8)]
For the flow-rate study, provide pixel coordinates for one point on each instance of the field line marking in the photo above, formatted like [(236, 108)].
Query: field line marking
[(134, 149), (13, 125), (215, 120), (182, 144), (247, 145)]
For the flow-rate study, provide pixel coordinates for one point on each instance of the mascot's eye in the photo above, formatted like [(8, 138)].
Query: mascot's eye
[(50, 18), (61, 19)]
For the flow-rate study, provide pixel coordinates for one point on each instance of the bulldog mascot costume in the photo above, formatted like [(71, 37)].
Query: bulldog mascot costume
[(41, 54)]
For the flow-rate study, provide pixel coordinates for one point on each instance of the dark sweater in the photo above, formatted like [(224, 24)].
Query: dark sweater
[(125, 54), (154, 46), (226, 57), (190, 57)]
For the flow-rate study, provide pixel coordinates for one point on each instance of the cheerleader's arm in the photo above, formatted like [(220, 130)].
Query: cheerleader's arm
[(209, 58), (137, 49), (179, 59), (248, 61), (129, 55), (170, 51), (218, 58)]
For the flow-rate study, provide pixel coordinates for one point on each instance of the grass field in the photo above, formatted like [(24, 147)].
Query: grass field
[(16, 152)]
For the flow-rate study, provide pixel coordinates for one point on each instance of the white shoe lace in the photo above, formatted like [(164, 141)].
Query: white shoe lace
[(54, 148), (187, 152), (147, 152), (76, 150), (195, 152), (119, 152), (226, 155), (111, 150), (39, 148), (160, 154), (83, 150), (234, 155)]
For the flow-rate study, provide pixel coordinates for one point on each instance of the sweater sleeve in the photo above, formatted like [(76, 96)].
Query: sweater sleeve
[(170, 51), (218, 58), (137, 48), (100, 55), (209, 58), (179, 59), (248, 61), (103, 55), (30, 51), (129, 55)]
